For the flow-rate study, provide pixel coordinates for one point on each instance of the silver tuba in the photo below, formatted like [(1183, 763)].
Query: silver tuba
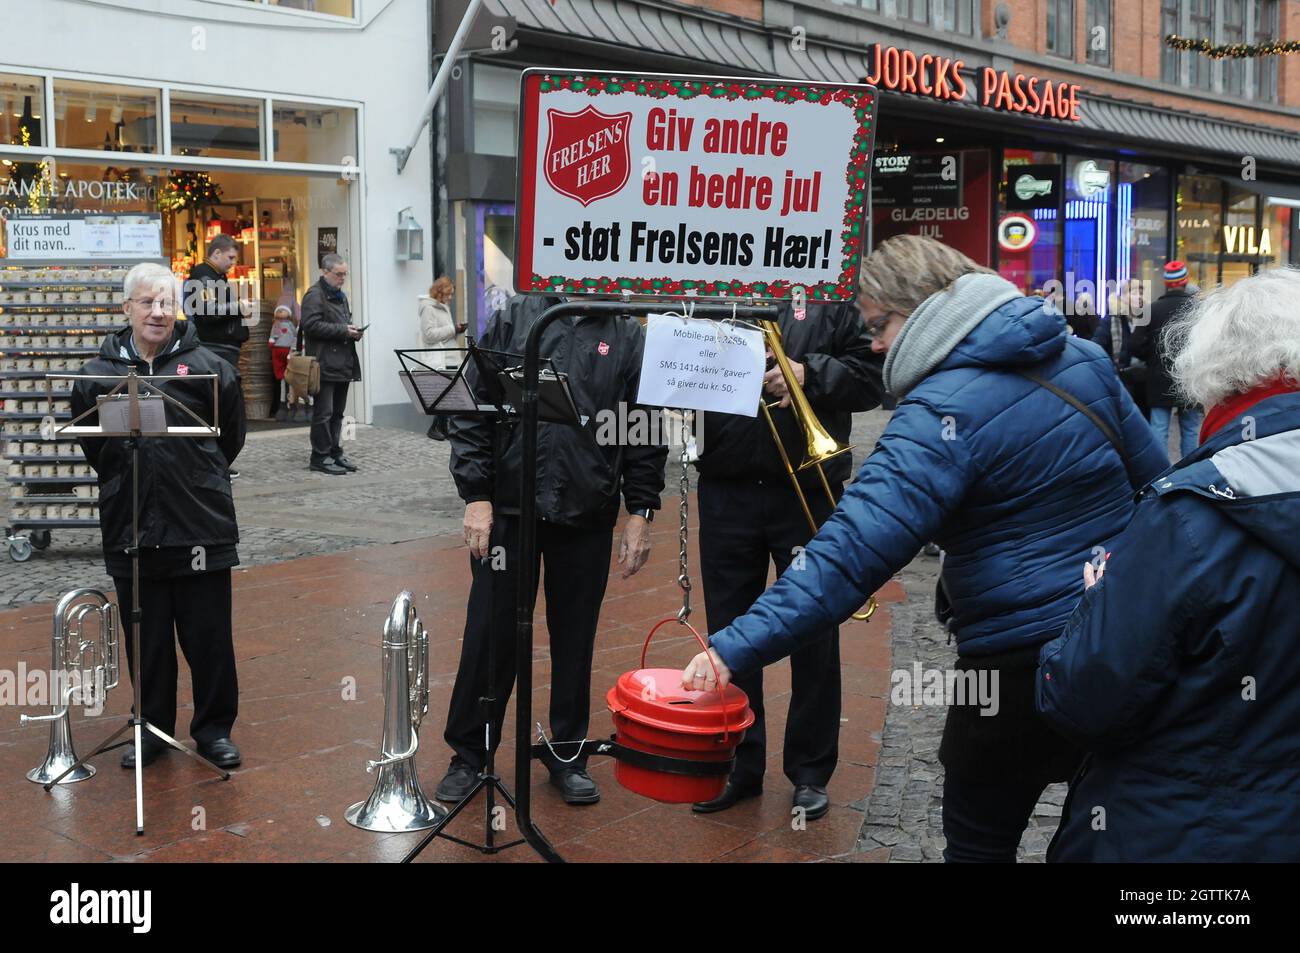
[(397, 803), (78, 655)]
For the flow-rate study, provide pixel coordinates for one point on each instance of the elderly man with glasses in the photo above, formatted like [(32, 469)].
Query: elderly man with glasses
[(187, 523), (331, 338)]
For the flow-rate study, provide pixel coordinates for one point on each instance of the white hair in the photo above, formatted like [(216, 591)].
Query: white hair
[(152, 277), (1237, 337)]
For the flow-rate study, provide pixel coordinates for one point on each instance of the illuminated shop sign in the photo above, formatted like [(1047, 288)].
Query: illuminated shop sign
[(940, 77)]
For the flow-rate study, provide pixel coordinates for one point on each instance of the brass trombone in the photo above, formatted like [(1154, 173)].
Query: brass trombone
[(819, 445)]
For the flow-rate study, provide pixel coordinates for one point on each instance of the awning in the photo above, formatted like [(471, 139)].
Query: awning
[(710, 42)]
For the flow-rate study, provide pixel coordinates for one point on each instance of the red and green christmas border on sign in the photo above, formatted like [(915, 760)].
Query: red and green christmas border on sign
[(857, 174)]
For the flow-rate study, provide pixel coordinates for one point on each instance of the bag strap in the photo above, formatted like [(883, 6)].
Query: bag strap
[(1106, 430)]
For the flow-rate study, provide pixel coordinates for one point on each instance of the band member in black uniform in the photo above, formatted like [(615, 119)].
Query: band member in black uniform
[(581, 476), (750, 516)]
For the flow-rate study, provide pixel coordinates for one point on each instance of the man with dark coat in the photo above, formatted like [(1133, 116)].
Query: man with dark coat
[(186, 516), (331, 338), (212, 303), (750, 516), (1148, 344), (581, 474)]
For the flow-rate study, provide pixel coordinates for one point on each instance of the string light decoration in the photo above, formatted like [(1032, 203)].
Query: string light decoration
[(187, 188), (1237, 51)]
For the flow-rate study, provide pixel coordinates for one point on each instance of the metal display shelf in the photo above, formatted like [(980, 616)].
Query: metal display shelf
[(24, 534)]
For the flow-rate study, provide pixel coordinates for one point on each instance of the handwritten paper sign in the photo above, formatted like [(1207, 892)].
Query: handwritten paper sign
[(701, 365)]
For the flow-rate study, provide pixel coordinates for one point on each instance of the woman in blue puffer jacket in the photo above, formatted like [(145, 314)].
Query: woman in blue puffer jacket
[(1016, 484), (1179, 671)]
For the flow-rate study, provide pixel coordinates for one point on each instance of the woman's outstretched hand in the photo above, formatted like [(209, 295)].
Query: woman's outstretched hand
[(698, 676)]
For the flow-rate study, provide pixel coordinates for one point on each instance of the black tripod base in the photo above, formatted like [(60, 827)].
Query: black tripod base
[(492, 785)]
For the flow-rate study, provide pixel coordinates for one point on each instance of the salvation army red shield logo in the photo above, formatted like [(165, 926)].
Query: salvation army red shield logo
[(603, 348), (182, 369), (587, 154)]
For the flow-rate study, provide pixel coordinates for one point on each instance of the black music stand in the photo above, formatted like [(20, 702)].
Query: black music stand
[(448, 393), (130, 423)]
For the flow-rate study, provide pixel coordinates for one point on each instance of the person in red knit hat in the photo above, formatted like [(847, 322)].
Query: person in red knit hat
[(1148, 344)]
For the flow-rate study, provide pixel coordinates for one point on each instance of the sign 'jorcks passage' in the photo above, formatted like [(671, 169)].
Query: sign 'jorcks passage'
[(676, 185)]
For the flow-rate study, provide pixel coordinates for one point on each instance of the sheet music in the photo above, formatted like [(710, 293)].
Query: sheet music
[(115, 413), (428, 387)]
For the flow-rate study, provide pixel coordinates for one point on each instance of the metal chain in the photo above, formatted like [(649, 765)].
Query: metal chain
[(683, 569)]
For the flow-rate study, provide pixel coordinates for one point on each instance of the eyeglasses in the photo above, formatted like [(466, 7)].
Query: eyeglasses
[(876, 326), (149, 304)]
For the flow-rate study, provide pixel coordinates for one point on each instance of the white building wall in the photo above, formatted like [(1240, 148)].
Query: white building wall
[(380, 62)]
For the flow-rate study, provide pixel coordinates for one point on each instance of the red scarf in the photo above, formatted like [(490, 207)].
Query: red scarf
[(1223, 413)]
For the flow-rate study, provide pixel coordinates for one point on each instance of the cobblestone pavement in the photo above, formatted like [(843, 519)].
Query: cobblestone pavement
[(904, 811), (403, 491)]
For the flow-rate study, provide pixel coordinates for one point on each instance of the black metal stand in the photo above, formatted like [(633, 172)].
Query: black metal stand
[(487, 780), (136, 723)]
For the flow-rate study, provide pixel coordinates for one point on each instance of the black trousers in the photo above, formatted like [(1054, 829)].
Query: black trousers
[(576, 570), (327, 420), (743, 526), (196, 609)]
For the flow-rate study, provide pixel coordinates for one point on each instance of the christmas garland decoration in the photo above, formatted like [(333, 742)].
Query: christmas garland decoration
[(187, 188), (1232, 50)]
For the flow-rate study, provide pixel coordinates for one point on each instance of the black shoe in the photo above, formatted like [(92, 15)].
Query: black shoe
[(458, 780), (812, 798), (221, 752), (731, 795), (576, 786), (327, 467), (152, 749), (345, 463)]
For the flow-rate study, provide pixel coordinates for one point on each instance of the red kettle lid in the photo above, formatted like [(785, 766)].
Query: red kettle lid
[(655, 697)]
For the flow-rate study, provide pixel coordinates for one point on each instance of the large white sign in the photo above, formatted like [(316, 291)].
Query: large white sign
[(701, 365), (676, 185)]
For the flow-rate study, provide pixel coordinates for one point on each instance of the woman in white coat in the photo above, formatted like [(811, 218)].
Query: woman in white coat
[(438, 329)]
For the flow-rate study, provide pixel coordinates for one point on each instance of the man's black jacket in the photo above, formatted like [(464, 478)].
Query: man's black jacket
[(841, 376), (325, 319), (185, 497), (212, 304), (578, 479), (1148, 344)]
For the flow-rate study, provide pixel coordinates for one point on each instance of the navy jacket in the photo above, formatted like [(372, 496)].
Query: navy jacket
[(1180, 670), (1015, 484)]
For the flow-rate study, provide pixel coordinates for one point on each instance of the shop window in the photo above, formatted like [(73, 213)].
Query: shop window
[(1240, 238), (1170, 59), (104, 116), (1200, 221), (1090, 223), (1201, 27), (217, 126), (1278, 219), (324, 135), (1265, 67), (23, 105), (496, 109), (1234, 31), (957, 16), (1028, 229), (1099, 32), (1060, 27), (495, 268), (335, 8), (872, 5), (1142, 239), (918, 11)]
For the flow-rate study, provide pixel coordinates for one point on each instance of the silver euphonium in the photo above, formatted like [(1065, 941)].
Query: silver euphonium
[(397, 803), (83, 663)]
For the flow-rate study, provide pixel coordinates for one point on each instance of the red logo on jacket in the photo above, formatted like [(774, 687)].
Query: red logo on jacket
[(603, 348), (587, 154), (182, 369)]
